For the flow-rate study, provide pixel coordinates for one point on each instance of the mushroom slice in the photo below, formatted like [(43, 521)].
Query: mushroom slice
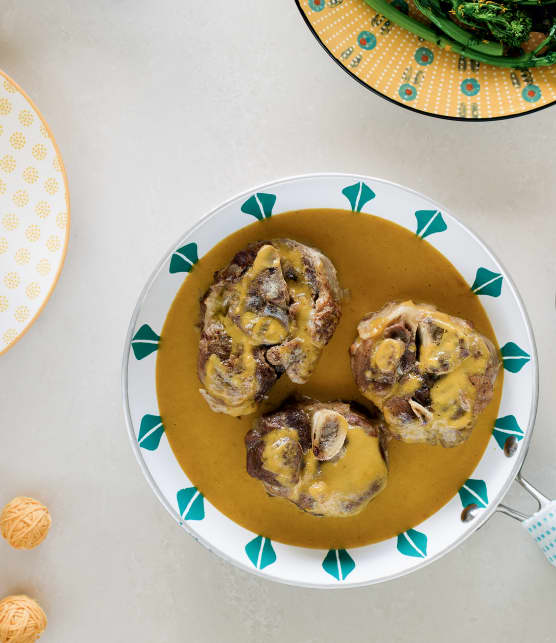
[(328, 432), (421, 412)]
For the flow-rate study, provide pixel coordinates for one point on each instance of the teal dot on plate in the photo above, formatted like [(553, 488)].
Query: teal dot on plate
[(470, 86), (407, 92), (424, 56), (531, 93), (317, 5), (366, 40)]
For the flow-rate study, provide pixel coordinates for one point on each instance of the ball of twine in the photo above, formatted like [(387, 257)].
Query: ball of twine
[(25, 522), (21, 620)]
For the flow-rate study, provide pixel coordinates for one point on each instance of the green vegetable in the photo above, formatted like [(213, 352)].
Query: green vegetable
[(508, 24), (434, 13), (490, 31)]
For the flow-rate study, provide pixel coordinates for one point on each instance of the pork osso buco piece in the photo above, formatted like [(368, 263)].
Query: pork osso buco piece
[(326, 457), (272, 310), (430, 374)]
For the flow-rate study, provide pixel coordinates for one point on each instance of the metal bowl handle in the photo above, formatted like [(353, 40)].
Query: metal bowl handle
[(542, 524)]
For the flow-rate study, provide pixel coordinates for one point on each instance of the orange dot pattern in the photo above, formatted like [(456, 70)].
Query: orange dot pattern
[(30, 174), (419, 74), (33, 219), (17, 141)]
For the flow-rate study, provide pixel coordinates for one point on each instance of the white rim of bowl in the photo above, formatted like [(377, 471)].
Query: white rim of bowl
[(478, 522)]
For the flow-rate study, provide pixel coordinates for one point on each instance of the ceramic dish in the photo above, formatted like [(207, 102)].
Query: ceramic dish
[(419, 75), (418, 546), (34, 217)]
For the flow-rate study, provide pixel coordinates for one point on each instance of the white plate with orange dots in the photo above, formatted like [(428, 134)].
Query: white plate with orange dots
[(34, 213)]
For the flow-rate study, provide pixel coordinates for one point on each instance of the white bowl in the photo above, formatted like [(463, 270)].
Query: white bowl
[(410, 550)]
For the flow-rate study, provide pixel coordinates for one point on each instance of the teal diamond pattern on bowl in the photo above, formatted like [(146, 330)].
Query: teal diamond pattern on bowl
[(259, 205), (429, 222), (412, 543), (184, 258), (505, 427), (144, 342), (260, 552), (358, 195), (514, 357), (191, 504), (338, 563), (150, 432), (487, 283), (474, 492)]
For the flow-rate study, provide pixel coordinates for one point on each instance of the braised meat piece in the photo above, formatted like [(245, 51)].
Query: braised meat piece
[(326, 457), (272, 310), (430, 373)]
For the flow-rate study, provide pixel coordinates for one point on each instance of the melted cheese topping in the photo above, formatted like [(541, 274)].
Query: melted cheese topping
[(302, 325), (387, 354), (332, 485), (237, 389), (458, 354), (261, 329), (279, 445), (453, 395)]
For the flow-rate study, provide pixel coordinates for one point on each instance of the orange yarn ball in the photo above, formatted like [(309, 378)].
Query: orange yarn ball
[(25, 522), (21, 620)]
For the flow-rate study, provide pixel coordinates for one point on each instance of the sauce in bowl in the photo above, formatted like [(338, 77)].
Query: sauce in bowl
[(377, 262)]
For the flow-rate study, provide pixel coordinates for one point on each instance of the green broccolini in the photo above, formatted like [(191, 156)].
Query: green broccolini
[(491, 31), (505, 23)]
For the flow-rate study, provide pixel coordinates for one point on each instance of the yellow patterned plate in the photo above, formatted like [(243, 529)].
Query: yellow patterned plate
[(34, 212), (419, 75)]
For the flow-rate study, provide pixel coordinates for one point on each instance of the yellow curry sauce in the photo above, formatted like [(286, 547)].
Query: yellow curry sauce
[(378, 262)]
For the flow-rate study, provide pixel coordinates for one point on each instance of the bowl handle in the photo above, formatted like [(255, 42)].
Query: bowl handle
[(542, 524)]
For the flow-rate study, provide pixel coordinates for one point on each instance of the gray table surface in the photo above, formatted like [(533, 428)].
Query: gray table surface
[(162, 110)]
